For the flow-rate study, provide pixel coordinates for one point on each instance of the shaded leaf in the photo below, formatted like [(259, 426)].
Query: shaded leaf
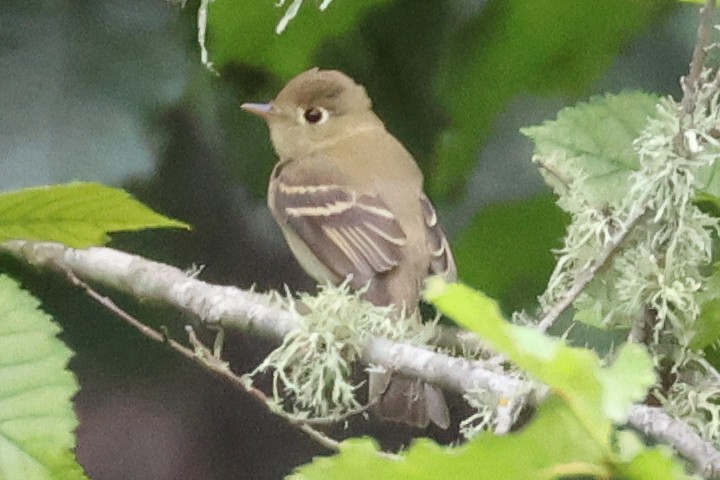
[(594, 138), (516, 46), (506, 251), (245, 33)]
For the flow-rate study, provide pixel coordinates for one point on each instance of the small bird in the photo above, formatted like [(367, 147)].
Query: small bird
[(349, 200)]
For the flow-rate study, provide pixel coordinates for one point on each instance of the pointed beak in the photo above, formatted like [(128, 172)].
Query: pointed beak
[(263, 110)]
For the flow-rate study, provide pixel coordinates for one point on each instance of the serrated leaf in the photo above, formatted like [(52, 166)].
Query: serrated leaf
[(553, 441), (76, 214), (594, 139), (37, 420), (245, 33), (519, 46), (594, 394)]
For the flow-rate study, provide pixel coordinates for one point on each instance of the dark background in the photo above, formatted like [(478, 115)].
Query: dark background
[(113, 91)]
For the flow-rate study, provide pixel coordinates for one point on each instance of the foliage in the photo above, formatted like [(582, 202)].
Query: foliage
[(77, 214), (480, 61), (37, 420), (572, 432), (478, 78)]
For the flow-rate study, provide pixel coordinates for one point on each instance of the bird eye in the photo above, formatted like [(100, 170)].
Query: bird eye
[(315, 116)]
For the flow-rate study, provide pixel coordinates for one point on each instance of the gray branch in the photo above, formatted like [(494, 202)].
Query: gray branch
[(232, 308)]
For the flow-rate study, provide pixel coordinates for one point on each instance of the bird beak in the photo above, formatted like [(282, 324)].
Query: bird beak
[(264, 110)]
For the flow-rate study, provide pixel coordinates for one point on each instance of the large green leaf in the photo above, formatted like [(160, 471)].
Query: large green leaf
[(594, 139), (596, 395), (506, 251), (244, 33), (77, 214), (37, 420), (517, 46), (553, 442)]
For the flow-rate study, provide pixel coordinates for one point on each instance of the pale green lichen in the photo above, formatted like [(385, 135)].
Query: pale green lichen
[(313, 368), (660, 266)]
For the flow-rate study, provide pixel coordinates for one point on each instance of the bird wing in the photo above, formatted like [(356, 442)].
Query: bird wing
[(349, 232), (441, 258)]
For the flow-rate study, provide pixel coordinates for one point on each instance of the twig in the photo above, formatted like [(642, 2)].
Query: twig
[(211, 364), (690, 82), (585, 276), (655, 423)]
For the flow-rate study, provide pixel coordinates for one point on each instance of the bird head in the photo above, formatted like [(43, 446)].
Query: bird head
[(316, 108)]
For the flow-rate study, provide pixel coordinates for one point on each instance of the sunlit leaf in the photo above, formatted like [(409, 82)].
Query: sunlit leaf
[(76, 214), (553, 439), (37, 420), (595, 394)]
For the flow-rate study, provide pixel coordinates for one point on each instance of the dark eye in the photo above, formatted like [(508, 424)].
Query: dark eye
[(315, 115)]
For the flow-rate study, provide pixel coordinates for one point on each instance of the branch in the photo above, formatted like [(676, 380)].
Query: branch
[(201, 356), (586, 275), (690, 82), (663, 428), (236, 309)]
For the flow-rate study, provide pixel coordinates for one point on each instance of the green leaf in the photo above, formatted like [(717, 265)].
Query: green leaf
[(625, 381), (594, 394), (707, 327), (76, 214), (554, 441), (244, 33), (37, 420), (595, 139), (519, 46), (655, 463), (506, 251)]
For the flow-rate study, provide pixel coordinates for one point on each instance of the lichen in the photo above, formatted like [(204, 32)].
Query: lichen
[(313, 368)]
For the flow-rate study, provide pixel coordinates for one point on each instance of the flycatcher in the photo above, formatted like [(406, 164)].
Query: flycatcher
[(349, 199)]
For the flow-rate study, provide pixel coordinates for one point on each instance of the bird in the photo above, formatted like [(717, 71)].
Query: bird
[(349, 200)]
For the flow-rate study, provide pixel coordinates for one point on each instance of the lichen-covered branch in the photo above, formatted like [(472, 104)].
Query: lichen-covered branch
[(232, 308), (249, 311)]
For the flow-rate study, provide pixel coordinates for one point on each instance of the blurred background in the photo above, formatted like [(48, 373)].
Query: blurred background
[(113, 91)]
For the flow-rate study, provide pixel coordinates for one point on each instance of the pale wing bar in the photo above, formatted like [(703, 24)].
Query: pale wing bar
[(441, 260), (349, 233)]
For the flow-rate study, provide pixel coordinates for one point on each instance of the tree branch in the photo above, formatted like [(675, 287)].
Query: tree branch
[(236, 309), (586, 275)]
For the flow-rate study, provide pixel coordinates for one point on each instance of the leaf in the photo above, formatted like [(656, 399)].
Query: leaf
[(594, 394), (519, 46), (37, 420), (626, 381), (655, 463), (707, 327), (594, 138), (554, 439), (244, 33), (506, 251), (76, 214)]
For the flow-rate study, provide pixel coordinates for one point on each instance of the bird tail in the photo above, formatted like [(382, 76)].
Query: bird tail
[(407, 400)]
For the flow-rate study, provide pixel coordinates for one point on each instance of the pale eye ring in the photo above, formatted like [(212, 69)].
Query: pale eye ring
[(316, 115)]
